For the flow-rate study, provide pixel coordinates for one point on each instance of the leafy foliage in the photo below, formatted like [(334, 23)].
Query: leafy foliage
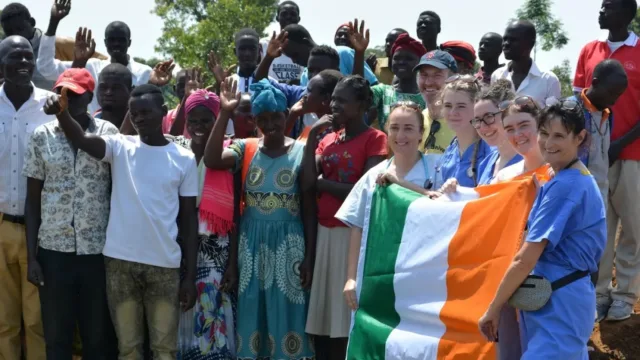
[(168, 91), (635, 25), (378, 51), (551, 33), (563, 72), (194, 27)]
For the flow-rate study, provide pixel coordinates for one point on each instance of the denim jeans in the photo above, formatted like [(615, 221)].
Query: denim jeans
[(74, 292), (137, 290)]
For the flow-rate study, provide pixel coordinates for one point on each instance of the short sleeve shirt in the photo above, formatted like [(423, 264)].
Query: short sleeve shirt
[(384, 96), (344, 161)]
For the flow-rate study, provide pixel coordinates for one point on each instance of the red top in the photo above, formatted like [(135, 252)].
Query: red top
[(626, 111), (344, 162)]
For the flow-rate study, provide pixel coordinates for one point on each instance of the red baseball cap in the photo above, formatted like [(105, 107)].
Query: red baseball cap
[(77, 80), (461, 51)]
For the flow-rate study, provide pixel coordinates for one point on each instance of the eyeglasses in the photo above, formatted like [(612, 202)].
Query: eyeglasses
[(406, 104), (525, 103), (431, 139), (487, 119)]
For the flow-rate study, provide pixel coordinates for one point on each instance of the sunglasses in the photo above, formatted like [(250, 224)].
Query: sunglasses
[(565, 104), (521, 103), (406, 104), (463, 78)]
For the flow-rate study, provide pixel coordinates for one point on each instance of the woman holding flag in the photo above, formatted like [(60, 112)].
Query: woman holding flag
[(407, 166), (565, 240)]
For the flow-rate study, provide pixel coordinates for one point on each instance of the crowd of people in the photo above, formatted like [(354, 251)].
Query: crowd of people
[(230, 227)]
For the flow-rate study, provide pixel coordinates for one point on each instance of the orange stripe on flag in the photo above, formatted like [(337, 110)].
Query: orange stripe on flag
[(480, 252)]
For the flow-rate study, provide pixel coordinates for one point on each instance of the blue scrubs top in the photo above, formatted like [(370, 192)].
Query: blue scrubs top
[(451, 165), (489, 166), (570, 214)]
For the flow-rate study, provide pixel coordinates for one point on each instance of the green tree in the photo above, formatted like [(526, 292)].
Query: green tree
[(168, 91), (551, 33), (1, 31), (378, 51), (194, 27), (635, 25), (563, 72)]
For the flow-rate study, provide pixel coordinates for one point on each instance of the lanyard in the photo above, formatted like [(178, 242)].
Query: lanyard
[(428, 184)]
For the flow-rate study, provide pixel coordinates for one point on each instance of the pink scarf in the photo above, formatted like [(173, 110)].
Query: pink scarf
[(216, 203)]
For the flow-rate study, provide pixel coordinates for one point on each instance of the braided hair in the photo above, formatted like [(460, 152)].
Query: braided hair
[(360, 88)]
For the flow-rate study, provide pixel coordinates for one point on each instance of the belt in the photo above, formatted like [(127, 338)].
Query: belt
[(16, 219)]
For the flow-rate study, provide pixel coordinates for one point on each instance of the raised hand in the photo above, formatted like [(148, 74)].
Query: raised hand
[(60, 9), (276, 44), (193, 81), (56, 104), (215, 67), (84, 47), (229, 95), (162, 73), (358, 36)]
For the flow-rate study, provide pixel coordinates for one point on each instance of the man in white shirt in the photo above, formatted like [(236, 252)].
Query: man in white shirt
[(518, 41), (117, 40), (154, 183), (282, 68), (20, 113)]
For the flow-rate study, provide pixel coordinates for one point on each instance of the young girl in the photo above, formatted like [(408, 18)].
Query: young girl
[(464, 157), (488, 124), (332, 167), (566, 235), (207, 330), (405, 54), (405, 128), (274, 262)]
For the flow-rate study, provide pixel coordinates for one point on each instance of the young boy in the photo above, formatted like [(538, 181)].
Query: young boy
[(154, 182)]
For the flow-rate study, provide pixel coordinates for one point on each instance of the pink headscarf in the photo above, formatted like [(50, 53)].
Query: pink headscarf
[(204, 98)]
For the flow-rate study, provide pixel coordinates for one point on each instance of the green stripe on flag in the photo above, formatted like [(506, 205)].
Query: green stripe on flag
[(376, 316)]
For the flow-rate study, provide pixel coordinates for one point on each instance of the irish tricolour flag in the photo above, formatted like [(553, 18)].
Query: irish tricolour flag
[(429, 269)]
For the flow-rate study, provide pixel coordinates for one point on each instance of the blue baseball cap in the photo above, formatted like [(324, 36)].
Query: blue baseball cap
[(438, 59)]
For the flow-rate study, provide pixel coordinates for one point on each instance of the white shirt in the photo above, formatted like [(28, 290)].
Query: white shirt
[(16, 128), (282, 68), (538, 84), (147, 183), (358, 203), (51, 68)]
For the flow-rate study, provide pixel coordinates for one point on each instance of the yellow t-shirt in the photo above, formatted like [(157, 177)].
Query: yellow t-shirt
[(443, 135), (383, 71)]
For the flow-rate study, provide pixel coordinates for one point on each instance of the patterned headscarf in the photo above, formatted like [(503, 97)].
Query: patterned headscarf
[(204, 98), (406, 42), (266, 98)]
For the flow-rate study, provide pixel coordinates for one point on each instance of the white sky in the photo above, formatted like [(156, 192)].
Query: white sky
[(461, 20)]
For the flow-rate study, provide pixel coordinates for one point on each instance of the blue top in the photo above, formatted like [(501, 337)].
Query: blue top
[(451, 165), (570, 214), (489, 166), (347, 56)]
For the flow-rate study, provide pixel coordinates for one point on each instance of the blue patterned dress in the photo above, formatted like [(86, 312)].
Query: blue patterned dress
[(272, 306)]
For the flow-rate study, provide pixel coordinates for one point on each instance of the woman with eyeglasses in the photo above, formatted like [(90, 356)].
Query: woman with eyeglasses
[(407, 166), (330, 168), (463, 159), (566, 237), (488, 123)]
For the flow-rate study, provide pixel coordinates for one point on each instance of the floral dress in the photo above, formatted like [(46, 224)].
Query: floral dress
[(272, 305), (207, 330)]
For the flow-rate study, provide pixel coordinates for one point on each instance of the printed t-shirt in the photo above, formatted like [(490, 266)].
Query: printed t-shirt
[(345, 162)]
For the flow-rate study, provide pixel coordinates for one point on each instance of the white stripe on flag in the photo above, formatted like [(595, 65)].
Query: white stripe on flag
[(420, 278)]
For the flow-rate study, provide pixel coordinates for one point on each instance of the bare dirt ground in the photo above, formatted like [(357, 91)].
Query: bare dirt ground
[(617, 340)]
